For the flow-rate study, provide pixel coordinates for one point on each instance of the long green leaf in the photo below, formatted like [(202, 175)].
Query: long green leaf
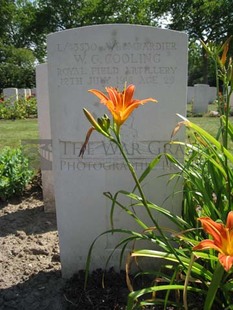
[(111, 231), (216, 280), (208, 136), (136, 294), (197, 268), (230, 126), (150, 167), (126, 209), (173, 217)]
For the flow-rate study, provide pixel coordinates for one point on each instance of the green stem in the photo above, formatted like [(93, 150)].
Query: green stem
[(144, 200), (133, 173), (192, 259), (225, 140), (217, 88), (214, 285), (225, 137)]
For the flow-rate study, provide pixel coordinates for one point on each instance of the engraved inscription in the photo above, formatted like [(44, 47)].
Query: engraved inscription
[(115, 62)]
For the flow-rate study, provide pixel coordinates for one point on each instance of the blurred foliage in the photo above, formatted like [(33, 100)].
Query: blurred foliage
[(25, 24), (15, 173), (21, 109)]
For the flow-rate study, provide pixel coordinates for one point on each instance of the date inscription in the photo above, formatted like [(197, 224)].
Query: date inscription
[(114, 62)]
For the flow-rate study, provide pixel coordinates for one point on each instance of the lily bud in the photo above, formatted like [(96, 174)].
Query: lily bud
[(225, 48), (104, 122), (229, 71), (95, 124)]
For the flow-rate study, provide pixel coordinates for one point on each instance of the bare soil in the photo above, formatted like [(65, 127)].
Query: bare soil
[(30, 269)]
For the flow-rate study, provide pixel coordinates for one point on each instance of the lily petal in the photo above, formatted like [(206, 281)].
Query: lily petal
[(147, 100), (229, 223), (103, 98), (207, 244), (113, 95), (226, 261), (216, 230), (222, 239), (129, 95), (120, 104), (130, 109)]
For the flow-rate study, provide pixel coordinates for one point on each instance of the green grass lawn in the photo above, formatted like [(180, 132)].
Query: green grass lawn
[(13, 132), (210, 124)]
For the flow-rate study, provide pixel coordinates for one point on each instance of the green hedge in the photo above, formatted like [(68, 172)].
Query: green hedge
[(15, 173), (21, 109)]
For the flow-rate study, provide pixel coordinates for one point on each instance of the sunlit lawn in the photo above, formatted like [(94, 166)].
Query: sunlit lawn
[(210, 124), (12, 133)]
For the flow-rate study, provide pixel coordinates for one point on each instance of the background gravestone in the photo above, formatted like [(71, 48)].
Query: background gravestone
[(22, 93), (45, 147), (28, 92), (155, 60), (201, 98), (231, 100), (33, 91), (190, 94), (212, 94), (10, 94)]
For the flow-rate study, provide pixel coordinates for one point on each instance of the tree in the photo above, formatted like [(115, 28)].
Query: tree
[(16, 67), (7, 10), (56, 15), (17, 60), (25, 24), (206, 20)]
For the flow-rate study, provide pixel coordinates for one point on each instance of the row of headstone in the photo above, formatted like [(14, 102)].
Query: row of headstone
[(211, 91), (201, 95), (14, 94), (155, 61)]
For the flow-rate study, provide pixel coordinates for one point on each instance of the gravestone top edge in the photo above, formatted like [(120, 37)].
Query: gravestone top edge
[(89, 27)]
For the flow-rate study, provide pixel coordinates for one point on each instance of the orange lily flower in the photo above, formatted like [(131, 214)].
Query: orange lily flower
[(222, 239), (120, 104)]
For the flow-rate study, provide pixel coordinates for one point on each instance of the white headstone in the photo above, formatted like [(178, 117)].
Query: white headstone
[(33, 91), (201, 98), (231, 102), (28, 92), (10, 94), (190, 96), (45, 145), (155, 60), (212, 94), (22, 93)]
